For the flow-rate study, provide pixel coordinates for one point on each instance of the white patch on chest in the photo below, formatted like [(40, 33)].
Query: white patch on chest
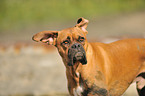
[(77, 91), (77, 74)]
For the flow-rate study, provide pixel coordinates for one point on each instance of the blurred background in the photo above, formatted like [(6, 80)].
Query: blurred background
[(34, 69)]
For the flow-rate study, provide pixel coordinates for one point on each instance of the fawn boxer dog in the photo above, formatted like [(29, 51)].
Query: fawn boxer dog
[(97, 69)]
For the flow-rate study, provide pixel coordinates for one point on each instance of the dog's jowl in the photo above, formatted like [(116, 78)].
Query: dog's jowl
[(97, 69)]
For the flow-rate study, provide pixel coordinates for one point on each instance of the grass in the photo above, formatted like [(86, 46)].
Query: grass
[(17, 14)]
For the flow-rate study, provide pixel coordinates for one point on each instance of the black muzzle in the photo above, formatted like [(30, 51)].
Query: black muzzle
[(76, 53)]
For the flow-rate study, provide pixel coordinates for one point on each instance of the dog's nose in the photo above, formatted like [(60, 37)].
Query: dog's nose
[(76, 46)]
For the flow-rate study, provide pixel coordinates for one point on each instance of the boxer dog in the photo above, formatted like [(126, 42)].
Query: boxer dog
[(97, 69)]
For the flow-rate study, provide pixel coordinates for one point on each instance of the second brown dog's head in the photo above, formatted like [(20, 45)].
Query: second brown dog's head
[(71, 42)]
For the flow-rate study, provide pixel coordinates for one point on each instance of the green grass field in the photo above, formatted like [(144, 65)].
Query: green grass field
[(18, 14)]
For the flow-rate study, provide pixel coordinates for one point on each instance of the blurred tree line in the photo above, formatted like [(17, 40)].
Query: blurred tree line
[(14, 14)]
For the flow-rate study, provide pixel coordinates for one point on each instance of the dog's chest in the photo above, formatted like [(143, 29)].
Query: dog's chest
[(78, 91), (86, 88)]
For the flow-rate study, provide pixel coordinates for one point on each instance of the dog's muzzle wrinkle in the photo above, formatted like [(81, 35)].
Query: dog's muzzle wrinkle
[(76, 53)]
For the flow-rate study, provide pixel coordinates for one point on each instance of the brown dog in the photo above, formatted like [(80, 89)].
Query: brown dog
[(98, 69)]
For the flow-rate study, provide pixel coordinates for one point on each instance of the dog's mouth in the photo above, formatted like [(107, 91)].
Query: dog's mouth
[(80, 56), (77, 56)]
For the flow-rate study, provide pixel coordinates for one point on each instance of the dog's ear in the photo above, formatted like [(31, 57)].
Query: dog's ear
[(46, 37), (82, 23)]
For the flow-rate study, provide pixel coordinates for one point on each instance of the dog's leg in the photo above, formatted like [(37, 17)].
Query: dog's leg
[(141, 84), (141, 92)]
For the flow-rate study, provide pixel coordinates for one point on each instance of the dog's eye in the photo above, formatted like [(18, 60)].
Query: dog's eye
[(66, 42), (81, 39)]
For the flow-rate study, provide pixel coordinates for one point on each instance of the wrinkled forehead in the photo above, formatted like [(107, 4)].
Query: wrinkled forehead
[(72, 33)]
